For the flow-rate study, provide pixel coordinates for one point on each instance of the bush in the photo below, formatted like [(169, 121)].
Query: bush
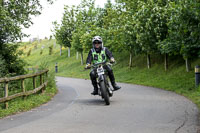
[(50, 49), (3, 70), (50, 77), (41, 52), (10, 62), (35, 46), (29, 52)]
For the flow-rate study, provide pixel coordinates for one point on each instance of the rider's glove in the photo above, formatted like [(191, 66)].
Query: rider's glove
[(87, 66), (112, 60)]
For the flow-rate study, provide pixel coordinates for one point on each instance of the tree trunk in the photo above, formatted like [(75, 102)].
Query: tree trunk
[(166, 62), (188, 65), (68, 51), (81, 58), (60, 50), (148, 61), (130, 61), (77, 55)]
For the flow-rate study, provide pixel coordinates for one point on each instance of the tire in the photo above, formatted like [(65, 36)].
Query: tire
[(108, 86), (104, 93)]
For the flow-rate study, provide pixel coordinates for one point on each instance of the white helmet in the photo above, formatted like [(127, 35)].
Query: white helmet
[(97, 39)]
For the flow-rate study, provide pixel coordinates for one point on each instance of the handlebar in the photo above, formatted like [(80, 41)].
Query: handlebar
[(103, 63), (99, 63)]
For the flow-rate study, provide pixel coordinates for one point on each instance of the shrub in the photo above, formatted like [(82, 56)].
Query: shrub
[(29, 52), (50, 49), (35, 46), (10, 62), (41, 52), (51, 75)]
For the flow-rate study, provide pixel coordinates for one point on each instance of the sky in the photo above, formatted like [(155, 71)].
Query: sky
[(42, 24)]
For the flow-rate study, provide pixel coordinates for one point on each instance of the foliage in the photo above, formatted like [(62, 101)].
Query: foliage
[(41, 51), (137, 26), (29, 52), (10, 61), (14, 15), (20, 104), (50, 49), (175, 79), (184, 27), (3, 69), (63, 32)]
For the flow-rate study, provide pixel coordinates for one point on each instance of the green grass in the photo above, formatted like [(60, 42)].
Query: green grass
[(176, 79), (20, 104)]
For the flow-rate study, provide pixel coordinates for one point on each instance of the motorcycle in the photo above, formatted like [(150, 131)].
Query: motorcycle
[(104, 89)]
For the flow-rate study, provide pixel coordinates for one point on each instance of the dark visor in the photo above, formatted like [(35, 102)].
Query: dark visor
[(97, 42)]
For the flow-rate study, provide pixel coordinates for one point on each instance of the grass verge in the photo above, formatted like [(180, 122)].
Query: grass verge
[(22, 104)]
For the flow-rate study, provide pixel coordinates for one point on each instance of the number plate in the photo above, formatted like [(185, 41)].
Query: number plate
[(100, 71)]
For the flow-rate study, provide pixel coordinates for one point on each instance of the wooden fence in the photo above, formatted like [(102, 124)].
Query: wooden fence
[(24, 93)]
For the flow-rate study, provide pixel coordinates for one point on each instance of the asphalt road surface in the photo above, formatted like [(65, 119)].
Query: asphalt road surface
[(133, 109)]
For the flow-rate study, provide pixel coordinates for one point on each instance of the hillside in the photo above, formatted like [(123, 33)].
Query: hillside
[(175, 79)]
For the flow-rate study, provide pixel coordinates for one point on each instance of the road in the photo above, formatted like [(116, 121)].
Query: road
[(134, 108)]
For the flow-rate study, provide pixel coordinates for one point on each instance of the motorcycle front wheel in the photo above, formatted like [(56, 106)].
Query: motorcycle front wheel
[(104, 92)]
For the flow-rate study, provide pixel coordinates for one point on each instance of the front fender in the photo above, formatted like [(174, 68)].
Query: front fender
[(101, 78)]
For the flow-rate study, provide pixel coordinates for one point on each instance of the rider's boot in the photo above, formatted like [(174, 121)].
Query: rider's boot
[(94, 83), (95, 92), (115, 86), (112, 80)]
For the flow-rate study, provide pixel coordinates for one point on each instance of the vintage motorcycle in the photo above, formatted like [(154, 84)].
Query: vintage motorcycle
[(104, 89)]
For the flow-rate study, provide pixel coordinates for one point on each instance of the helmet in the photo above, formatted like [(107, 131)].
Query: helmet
[(97, 39)]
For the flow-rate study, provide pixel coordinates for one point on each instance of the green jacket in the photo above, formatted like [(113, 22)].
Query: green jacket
[(96, 57)]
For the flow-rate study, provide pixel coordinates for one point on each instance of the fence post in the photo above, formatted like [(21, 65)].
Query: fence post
[(23, 88), (46, 79), (34, 83), (43, 78), (41, 81), (6, 94)]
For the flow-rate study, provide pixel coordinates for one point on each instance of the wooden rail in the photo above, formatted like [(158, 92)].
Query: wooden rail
[(42, 86)]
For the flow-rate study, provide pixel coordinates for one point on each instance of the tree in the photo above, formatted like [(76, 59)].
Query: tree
[(126, 10), (150, 26), (76, 35), (109, 27), (57, 35), (183, 28), (14, 15), (63, 32), (67, 27), (88, 21)]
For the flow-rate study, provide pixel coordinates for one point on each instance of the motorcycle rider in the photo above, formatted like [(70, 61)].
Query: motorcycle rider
[(100, 54)]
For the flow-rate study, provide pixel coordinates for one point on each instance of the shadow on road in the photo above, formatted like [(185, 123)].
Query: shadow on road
[(91, 102)]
